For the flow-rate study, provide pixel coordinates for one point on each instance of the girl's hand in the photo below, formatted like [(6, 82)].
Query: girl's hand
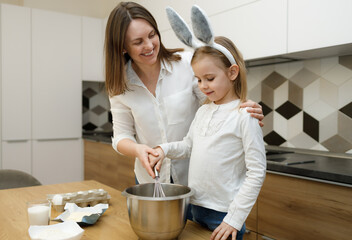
[(223, 231), (156, 159), (255, 109), (142, 152)]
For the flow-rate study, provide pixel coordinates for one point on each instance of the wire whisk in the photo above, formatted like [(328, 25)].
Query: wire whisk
[(158, 189)]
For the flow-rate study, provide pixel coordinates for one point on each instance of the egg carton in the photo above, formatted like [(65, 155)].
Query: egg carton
[(80, 198)]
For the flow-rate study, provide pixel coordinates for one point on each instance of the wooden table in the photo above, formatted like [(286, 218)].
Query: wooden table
[(114, 223)]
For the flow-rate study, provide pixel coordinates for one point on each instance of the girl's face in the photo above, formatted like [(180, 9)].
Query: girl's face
[(215, 81), (142, 42)]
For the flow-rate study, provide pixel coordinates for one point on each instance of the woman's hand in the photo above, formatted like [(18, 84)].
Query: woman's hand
[(156, 161), (142, 152), (255, 109), (223, 231)]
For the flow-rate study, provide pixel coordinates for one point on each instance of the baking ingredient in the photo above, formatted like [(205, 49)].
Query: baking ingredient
[(77, 216), (57, 199), (39, 215)]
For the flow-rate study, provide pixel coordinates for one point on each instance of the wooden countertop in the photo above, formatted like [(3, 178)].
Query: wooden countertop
[(114, 223)]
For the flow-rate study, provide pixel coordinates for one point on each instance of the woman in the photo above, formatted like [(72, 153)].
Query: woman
[(152, 91)]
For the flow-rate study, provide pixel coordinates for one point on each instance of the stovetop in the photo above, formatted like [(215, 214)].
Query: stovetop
[(332, 167)]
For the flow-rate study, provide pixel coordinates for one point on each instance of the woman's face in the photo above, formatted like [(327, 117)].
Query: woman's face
[(142, 42)]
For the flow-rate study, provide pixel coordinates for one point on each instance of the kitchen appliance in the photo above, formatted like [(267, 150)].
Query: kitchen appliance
[(158, 189), (290, 158), (157, 218)]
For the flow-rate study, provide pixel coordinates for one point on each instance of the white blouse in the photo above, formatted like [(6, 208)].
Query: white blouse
[(228, 163), (145, 119)]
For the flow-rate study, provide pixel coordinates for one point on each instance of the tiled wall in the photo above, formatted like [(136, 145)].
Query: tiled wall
[(96, 107), (307, 104)]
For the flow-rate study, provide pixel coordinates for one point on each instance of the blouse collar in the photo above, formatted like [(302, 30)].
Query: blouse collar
[(229, 105), (132, 77)]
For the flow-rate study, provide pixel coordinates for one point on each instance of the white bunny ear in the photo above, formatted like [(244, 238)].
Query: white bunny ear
[(203, 31), (181, 28), (201, 28), (201, 25)]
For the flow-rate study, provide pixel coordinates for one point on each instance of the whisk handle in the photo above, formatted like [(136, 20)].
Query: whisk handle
[(156, 173)]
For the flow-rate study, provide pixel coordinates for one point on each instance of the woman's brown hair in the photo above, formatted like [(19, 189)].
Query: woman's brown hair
[(240, 84), (115, 33)]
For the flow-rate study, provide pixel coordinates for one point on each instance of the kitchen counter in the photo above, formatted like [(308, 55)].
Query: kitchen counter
[(335, 168), (104, 137), (327, 167), (113, 224)]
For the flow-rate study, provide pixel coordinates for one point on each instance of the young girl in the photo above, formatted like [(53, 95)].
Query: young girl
[(147, 84), (225, 145)]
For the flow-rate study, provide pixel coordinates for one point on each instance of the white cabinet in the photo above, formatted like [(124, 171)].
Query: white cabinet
[(211, 8), (92, 49), (317, 24), (259, 29), (58, 161), (41, 89), (15, 72), (56, 75), (17, 155), (157, 9), (269, 28)]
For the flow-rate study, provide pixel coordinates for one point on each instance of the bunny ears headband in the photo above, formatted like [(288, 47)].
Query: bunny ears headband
[(202, 30)]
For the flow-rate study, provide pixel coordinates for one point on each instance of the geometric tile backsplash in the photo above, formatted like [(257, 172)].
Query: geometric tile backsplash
[(307, 104), (96, 107)]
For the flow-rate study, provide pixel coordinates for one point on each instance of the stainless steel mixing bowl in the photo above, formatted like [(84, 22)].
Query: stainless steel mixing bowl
[(157, 218)]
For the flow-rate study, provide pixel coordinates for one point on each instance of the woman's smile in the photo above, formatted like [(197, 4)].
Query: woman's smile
[(148, 54)]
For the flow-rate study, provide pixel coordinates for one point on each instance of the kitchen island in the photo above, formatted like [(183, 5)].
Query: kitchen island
[(113, 224), (297, 201)]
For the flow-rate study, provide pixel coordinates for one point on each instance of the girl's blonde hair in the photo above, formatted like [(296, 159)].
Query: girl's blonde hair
[(240, 84), (115, 33)]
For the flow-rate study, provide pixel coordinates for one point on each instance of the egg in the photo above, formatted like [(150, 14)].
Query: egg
[(57, 199)]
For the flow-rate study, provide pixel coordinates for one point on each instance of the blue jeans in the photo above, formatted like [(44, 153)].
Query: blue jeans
[(210, 219)]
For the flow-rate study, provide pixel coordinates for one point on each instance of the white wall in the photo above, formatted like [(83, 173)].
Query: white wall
[(90, 8)]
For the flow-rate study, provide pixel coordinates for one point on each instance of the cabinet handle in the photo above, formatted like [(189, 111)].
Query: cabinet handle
[(17, 140), (267, 238), (54, 139), (247, 231)]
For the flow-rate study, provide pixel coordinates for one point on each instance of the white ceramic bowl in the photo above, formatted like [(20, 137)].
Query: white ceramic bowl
[(69, 230)]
